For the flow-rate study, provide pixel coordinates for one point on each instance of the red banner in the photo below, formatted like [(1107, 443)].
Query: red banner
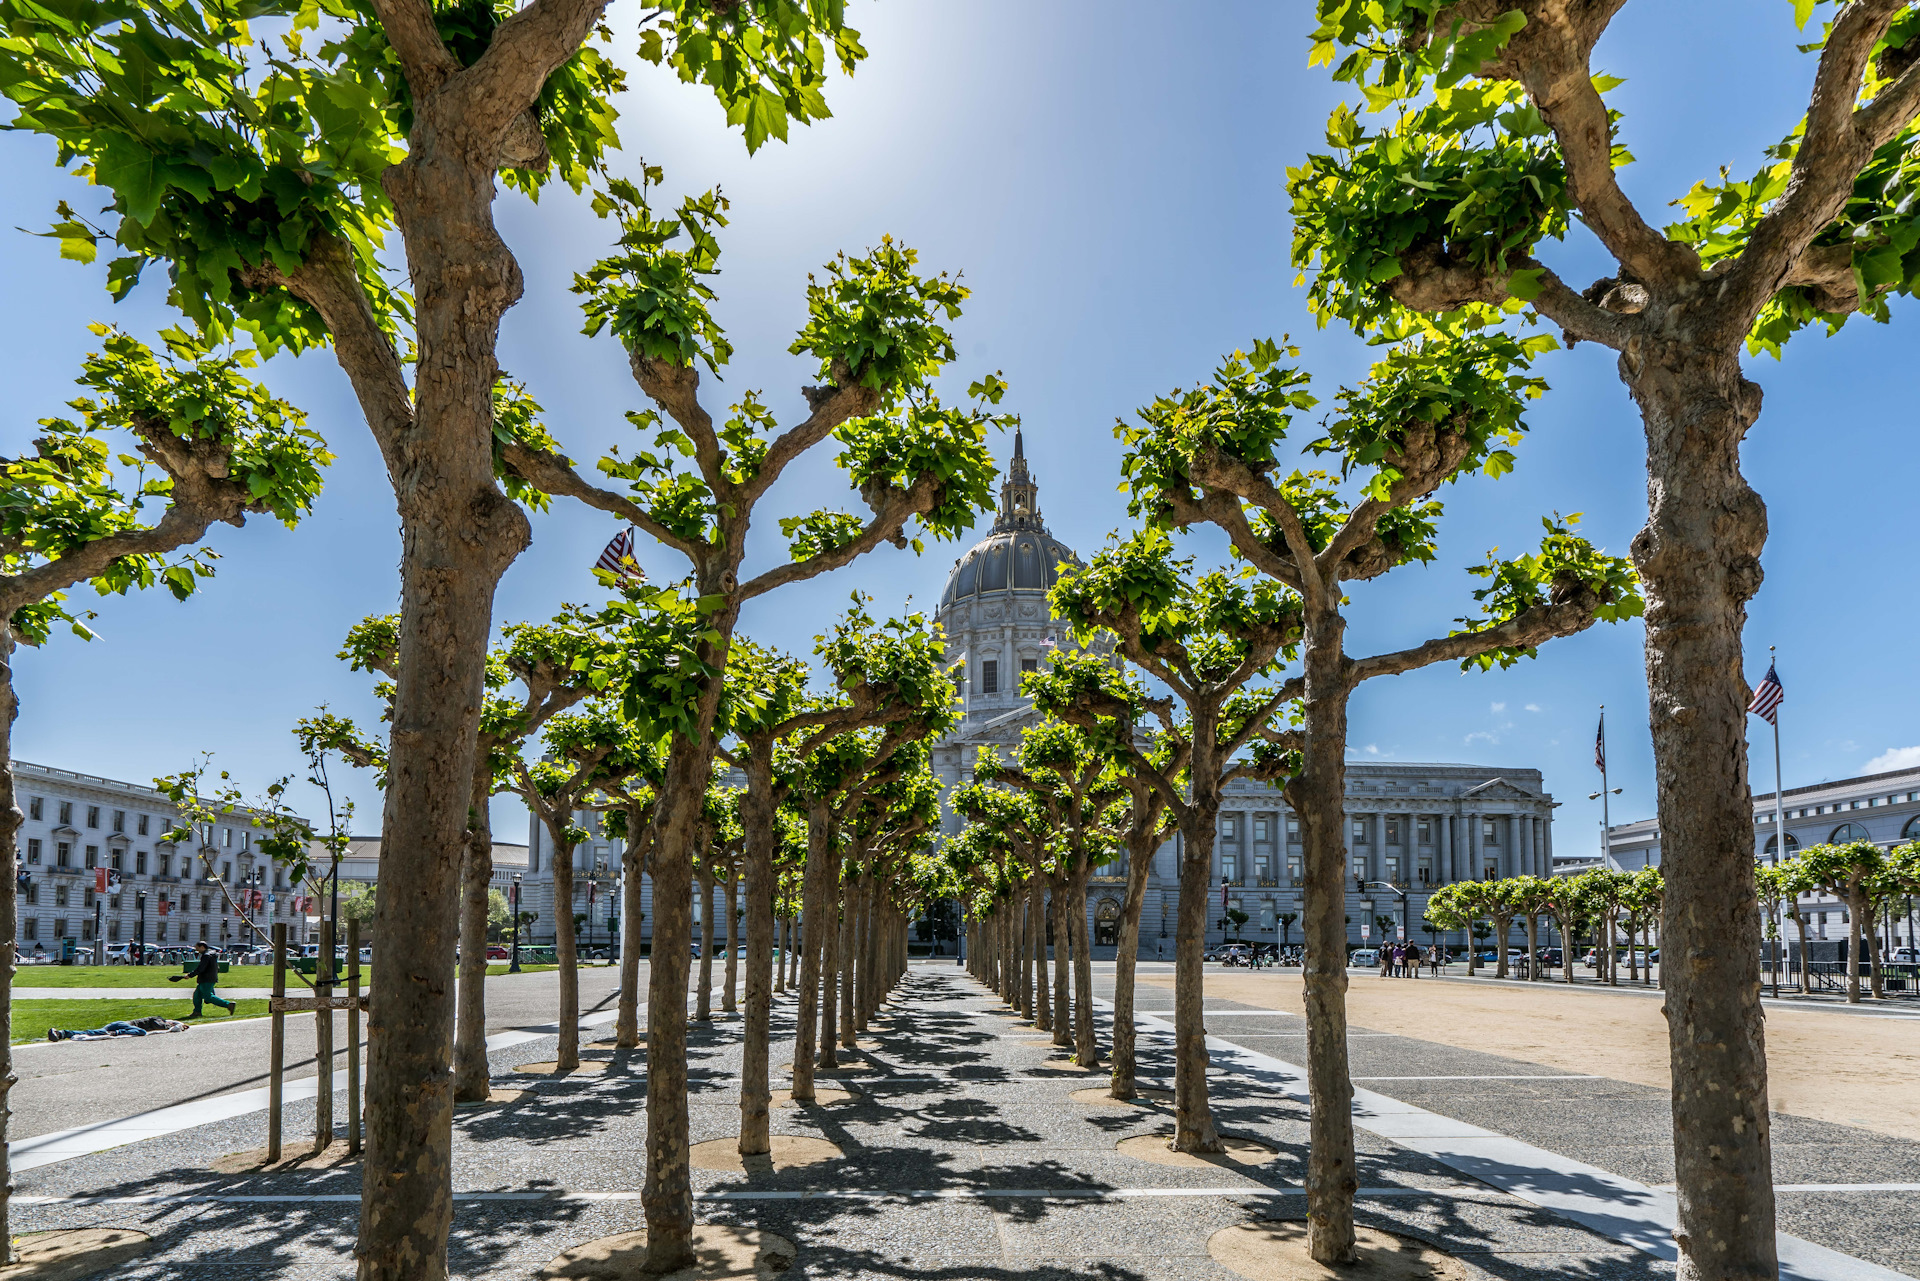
[(100, 880)]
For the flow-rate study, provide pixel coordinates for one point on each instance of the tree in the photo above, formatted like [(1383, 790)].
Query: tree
[(1499, 134), (266, 180), (358, 899), (1432, 411), (211, 446), (499, 916), (1287, 919), (1208, 639)]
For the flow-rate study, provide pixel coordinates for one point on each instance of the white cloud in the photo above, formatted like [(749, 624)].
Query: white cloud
[(1892, 759), (1480, 736), (1499, 707), (1533, 707)]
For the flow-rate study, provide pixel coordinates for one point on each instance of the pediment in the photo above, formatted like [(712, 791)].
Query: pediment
[(1499, 789)]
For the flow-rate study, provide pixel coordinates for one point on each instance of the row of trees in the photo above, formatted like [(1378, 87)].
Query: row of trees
[(266, 175), (1868, 879), (1605, 901)]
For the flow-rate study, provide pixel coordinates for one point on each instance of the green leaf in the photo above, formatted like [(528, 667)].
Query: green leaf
[(1525, 283)]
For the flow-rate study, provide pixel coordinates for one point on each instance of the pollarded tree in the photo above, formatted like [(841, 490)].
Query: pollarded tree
[(1532, 896), (1498, 135), (1005, 828), (1212, 640), (555, 665), (875, 328), (1429, 413), (265, 176), (213, 447)]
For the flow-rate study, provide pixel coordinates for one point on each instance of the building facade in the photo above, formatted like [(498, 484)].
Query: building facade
[(169, 893), (1411, 827), (1882, 808)]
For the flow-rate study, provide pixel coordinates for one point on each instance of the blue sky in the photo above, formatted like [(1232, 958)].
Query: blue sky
[(1110, 178)]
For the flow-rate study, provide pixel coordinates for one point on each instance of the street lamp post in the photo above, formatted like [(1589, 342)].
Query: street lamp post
[(1406, 925), (513, 966), (140, 926)]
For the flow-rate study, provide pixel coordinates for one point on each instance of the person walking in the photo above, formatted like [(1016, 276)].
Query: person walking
[(204, 976)]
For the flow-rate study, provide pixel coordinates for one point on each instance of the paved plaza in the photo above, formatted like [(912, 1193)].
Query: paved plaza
[(963, 1154)]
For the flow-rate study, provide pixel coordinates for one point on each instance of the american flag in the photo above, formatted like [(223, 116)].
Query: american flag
[(1768, 697), (618, 557), (1600, 745)]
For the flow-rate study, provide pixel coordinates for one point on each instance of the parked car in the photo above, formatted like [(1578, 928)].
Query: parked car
[(1899, 956), (1620, 957), (1366, 958), (499, 952)]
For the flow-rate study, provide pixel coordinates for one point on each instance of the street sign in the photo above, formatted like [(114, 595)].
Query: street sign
[(1366, 930), (1400, 932)]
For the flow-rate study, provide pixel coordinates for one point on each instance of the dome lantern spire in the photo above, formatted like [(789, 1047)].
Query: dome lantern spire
[(1019, 495)]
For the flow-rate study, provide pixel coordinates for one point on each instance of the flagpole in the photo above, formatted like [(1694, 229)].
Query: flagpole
[(1606, 826), (1779, 824)]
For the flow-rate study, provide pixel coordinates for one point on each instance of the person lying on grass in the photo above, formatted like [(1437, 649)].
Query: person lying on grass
[(119, 1027)]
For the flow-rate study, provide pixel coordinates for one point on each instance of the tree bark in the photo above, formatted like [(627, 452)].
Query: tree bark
[(849, 916), (566, 952), (703, 997), (757, 822), (1086, 1049), (1060, 901), (1125, 968), (813, 895), (667, 1195), (633, 861), (472, 1079), (1037, 926), (731, 892), (1533, 948), (1698, 559), (1193, 1129), (830, 932)]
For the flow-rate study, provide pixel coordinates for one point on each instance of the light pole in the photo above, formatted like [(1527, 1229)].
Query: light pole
[(1406, 925), (513, 967), (140, 926)]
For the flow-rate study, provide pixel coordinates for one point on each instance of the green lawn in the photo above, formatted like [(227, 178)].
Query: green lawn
[(500, 967), (31, 1019), (147, 976)]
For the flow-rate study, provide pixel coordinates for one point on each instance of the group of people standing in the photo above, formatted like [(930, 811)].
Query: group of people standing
[(1403, 960)]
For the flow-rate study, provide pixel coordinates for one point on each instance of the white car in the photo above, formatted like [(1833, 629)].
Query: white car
[(1367, 958)]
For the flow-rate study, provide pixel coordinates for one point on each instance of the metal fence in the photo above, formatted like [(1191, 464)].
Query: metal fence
[(1901, 981)]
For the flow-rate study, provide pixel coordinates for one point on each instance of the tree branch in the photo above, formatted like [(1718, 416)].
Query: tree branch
[(525, 49), (424, 56), (891, 516), (1524, 631), (830, 406), (553, 473)]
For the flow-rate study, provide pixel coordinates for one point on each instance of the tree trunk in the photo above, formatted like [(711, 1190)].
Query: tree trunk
[(1086, 1050), (849, 953), (757, 823), (458, 535), (667, 1195), (1806, 962), (1318, 796), (1061, 902), (703, 998), (472, 1079), (731, 892), (633, 861), (1502, 929), (783, 934), (1698, 559), (565, 952), (813, 907), (1037, 941), (861, 901), (10, 820), (1193, 1129), (1533, 948), (830, 931), (1125, 964)]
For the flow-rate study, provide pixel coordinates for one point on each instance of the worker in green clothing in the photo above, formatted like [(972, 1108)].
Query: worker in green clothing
[(205, 975)]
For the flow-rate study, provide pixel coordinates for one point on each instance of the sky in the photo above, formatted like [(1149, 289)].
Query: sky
[(1109, 177)]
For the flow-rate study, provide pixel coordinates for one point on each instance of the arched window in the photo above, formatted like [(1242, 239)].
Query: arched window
[(1847, 832), (1773, 843), (1911, 832)]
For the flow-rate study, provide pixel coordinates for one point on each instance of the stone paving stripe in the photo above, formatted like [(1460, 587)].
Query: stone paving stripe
[(1618, 1208), (1556, 1076), (728, 1194)]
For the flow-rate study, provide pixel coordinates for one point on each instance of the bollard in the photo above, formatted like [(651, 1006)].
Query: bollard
[(323, 1041), (278, 1058), (353, 1038)]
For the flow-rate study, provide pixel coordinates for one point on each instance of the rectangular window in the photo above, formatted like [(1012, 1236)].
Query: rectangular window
[(1426, 831), (59, 896), (1359, 872), (33, 850), (1490, 832), (33, 927), (1359, 831), (226, 873), (93, 856), (66, 813), (1426, 871), (1293, 830), (33, 893), (140, 862), (1262, 869), (1228, 827), (1293, 869), (35, 807), (119, 820), (989, 676), (206, 902), (1393, 871), (226, 837), (86, 898), (203, 931), (114, 857), (1262, 828), (86, 930), (142, 828), (113, 931), (166, 865), (1229, 868), (1029, 664), (93, 816), (1491, 872), (113, 902), (63, 854), (1393, 831)]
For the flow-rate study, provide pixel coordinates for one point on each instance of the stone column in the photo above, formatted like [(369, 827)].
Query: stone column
[(1522, 844), (1472, 844)]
